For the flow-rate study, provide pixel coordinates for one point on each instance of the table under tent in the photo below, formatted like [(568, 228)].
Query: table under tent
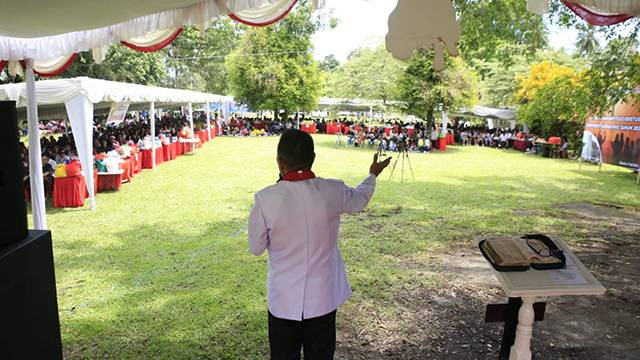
[(80, 96)]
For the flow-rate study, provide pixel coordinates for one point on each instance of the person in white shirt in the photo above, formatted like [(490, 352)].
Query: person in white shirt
[(297, 221)]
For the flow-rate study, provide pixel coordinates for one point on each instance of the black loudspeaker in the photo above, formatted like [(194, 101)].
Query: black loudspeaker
[(13, 222), (30, 325)]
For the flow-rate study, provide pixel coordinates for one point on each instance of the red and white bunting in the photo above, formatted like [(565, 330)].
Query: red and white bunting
[(594, 17), (265, 15), (153, 41)]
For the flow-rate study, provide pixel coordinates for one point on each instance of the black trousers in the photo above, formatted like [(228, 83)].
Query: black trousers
[(316, 336)]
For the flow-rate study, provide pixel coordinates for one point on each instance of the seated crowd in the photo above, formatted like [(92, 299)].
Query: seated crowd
[(113, 139)]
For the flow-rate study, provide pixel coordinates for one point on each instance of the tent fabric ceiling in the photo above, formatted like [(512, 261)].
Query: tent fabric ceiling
[(45, 30), (37, 18), (50, 92), (482, 111)]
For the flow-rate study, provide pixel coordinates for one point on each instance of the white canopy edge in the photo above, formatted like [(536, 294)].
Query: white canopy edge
[(483, 111), (50, 47), (59, 91), (605, 7)]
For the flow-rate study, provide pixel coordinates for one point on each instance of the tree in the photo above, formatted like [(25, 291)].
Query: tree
[(329, 63), (196, 60), (368, 74), (492, 29), (587, 42), (272, 68), (425, 91), (540, 75), (500, 82), (559, 108), (121, 64), (614, 75)]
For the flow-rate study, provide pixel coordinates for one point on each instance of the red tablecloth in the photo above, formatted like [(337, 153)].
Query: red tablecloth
[(69, 191), (308, 128), (136, 161), (442, 144), (520, 145), (554, 140), (450, 139), (109, 182), (166, 152), (146, 158), (202, 134), (127, 175), (173, 149)]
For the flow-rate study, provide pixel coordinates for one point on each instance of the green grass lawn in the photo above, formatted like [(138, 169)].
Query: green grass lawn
[(162, 270)]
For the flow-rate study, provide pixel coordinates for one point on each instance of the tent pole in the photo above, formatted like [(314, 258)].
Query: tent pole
[(208, 122), (152, 122), (38, 205)]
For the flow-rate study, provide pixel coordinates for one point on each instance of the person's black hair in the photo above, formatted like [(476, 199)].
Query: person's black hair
[(295, 149)]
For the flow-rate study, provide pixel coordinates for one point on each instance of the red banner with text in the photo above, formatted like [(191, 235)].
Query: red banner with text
[(618, 135)]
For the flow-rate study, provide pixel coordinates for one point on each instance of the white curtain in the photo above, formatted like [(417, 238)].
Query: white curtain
[(206, 112), (225, 111), (445, 122), (591, 148), (190, 115), (35, 158), (80, 111), (152, 125)]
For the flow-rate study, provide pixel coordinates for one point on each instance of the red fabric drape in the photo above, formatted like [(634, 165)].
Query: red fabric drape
[(594, 18), (266, 23), (55, 72), (154, 47)]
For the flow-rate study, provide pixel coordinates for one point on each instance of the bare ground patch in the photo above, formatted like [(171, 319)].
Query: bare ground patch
[(446, 321)]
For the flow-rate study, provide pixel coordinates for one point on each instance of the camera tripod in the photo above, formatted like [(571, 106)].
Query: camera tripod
[(402, 153)]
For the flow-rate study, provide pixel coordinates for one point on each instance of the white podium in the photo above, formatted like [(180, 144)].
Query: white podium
[(575, 279)]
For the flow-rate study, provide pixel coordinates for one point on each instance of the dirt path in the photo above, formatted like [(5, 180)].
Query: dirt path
[(448, 323)]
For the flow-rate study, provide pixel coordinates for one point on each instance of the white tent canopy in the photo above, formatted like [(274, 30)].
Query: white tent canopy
[(33, 29), (79, 96), (483, 111), (96, 91)]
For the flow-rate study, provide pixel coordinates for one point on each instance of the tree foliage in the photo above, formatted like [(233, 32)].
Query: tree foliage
[(498, 29), (587, 42), (121, 64), (500, 82), (425, 91), (368, 74), (559, 108), (272, 68), (196, 60), (193, 61), (539, 76), (329, 63), (614, 75)]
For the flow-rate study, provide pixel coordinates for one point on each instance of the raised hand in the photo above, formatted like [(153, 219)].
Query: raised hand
[(377, 167)]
